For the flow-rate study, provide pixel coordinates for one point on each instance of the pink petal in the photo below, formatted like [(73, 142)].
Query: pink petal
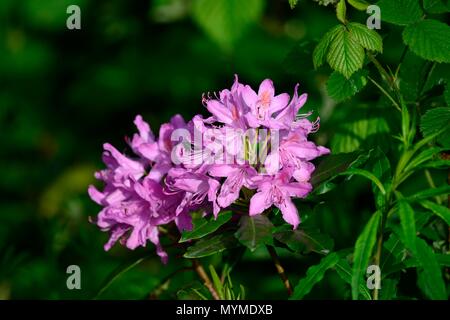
[(279, 102), (219, 111), (266, 86), (259, 203), (290, 212)]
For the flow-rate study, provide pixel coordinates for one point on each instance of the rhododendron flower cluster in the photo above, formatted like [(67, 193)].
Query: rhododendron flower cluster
[(255, 142)]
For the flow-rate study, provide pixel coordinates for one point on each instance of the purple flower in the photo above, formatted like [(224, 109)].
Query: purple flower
[(278, 191)]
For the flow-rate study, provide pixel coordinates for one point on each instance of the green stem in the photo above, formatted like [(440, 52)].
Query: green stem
[(386, 94)]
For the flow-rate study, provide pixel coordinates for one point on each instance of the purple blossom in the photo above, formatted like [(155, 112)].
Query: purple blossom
[(165, 179)]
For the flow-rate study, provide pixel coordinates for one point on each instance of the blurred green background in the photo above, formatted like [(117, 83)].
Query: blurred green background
[(65, 92)]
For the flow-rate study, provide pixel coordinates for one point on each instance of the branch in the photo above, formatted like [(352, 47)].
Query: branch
[(280, 269), (202, 274)]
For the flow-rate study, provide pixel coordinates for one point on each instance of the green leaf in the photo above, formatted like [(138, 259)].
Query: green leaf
[(211, 245), (433, 121), (428, 193), (203, 226), (341, 11), (447, 94), (433, 282), (359, 4), (422, 157), (345, 272), (368, 175), (382, 170), (321, 49), (304, 240), (389, 290), (436, 6), (216, 280), (116, 274), (314, 274), (340, 88), (400, 12), (363, 250), (407, 223), (225, 21), (335, 164), (429, 39), (345, 54), (293, 3), (254, 231), (437, 209), (369, 39)]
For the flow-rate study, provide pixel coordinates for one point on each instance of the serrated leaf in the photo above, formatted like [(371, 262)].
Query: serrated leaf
[(447, 94), (345, 272), (437, 209), (211, 245), (345, 54), (254, 231), (335, 164), (204, 226), (433, 282), (400, 12), (225, 21), (314, 274), (341, 11), (433, 121), (429, 39), (304, 240), (408, 223), (340, 88), (369, 39), (359, 4), (436, 6), (363, 250), (320, 52)]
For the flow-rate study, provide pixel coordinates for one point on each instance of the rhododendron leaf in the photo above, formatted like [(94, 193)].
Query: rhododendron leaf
[(400, 12), (437, 209), (429, 39), (344, 271), (314, 274), (211, 245), (363, 250), (304, 240), (334, 164), (340, 88), (254, 231), (430, 278), (204, 226)]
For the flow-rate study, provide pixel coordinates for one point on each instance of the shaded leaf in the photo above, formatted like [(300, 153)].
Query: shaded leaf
[(400, 12), (433, 121), (431, 277), (314, 274), (211, 245), (340, 88), (304, 240), (345, 272), (363, 250), (429, 39), (254, 231), (321, 49), (203, 226), (437, 209), (407, 223)]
